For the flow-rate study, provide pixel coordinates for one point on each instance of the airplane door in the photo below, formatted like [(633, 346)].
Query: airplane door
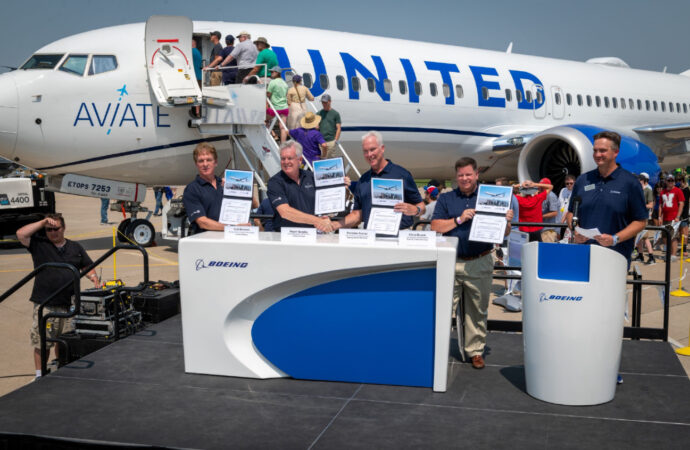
[(168, 48), (538, 101), (557, 103)]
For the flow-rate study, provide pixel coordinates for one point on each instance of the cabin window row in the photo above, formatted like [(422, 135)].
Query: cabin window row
[(589, 100), (356, 84), (622, 103)]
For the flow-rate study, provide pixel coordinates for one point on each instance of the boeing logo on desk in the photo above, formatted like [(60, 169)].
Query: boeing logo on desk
[(567, 298), (200, 264)]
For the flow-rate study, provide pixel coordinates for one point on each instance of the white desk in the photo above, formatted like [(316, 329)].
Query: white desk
[(323, 311)]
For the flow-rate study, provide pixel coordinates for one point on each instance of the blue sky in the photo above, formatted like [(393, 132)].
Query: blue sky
[(647, 35)]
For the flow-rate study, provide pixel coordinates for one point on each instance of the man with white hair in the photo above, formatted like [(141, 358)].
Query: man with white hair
[(412, 205), (292, 193)]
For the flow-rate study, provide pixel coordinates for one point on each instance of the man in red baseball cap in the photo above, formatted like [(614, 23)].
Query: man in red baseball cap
[(549, 208), (530, 200)]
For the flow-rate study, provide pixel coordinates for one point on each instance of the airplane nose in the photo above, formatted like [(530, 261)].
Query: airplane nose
[(8, 115)]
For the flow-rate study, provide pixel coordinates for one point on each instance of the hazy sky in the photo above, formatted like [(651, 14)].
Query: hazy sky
[(646, 34)]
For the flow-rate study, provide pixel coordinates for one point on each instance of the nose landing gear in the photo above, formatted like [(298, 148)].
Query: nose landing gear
[(140, 231)]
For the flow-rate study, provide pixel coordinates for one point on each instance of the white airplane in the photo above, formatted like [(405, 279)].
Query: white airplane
[(388, 188), (104, 111), (240, 180), (496, 194)]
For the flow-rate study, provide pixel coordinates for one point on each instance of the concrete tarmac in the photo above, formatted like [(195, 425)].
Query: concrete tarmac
[(82, 216)]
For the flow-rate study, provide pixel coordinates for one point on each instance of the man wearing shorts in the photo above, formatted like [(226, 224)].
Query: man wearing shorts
[(46, 242)]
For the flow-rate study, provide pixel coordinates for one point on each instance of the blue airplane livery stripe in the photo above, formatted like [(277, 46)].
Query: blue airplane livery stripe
[(422, 130), (222, 138), (134, 152)]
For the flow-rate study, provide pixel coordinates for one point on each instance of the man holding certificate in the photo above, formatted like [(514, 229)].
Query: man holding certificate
[(292, 193), (474, 267), (400, 197), (203, 197)]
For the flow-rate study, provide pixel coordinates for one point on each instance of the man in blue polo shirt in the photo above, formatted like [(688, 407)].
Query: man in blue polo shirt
[(203, 196), (413, 204), (612, 199), (475, 265), (292, 193)]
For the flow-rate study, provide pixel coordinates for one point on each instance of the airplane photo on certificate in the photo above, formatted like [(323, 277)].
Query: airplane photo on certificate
[(329, 172), (494, 199), (238, 183), (385, 192)]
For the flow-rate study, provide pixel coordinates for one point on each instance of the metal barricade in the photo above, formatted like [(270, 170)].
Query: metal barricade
[(635, 331), (76, 274)]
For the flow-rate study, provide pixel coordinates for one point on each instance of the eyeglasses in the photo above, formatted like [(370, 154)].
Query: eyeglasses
[(52, 229), (569, 183)]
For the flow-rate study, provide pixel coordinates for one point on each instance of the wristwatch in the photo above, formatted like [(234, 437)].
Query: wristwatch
[(458, 220), (419, 210), (615, 239)]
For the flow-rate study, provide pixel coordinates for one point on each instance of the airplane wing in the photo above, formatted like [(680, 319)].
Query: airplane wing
[(679, 131)]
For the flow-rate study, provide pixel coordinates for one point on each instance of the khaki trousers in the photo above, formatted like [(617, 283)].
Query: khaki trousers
[(473, 284), (331, 151), (216, 78)]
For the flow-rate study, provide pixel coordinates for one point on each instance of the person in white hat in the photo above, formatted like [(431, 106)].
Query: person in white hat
[(245, 54)]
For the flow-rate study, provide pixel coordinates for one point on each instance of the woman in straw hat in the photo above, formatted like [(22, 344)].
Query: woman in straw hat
[(313, 144)]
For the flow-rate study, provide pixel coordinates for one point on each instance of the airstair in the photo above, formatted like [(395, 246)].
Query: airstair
[(237, 111)]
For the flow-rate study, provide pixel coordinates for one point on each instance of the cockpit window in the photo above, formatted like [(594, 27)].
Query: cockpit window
[(39, 61), (102, 63), (75, 64)]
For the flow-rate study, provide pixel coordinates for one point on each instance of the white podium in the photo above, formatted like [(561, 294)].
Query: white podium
[(376, 313), (573, 306)]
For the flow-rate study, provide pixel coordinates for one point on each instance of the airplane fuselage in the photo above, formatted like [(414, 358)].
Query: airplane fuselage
[(433, 103)]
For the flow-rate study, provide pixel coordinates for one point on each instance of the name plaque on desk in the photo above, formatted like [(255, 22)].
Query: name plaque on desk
[(298, 235), (413, 238), (241, 233), (356, 237)]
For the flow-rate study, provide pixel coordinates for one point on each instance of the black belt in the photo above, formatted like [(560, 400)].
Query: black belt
[(471, 258)]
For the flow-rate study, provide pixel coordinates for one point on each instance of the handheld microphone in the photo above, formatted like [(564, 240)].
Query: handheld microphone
[(576, 206)]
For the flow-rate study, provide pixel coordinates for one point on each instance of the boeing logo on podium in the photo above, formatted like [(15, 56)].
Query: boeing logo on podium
[(545, 298), (200, 264)]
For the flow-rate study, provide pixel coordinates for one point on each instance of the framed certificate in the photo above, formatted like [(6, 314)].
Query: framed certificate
[(329, 200), (488, 228), (385, 221), (234, 211)]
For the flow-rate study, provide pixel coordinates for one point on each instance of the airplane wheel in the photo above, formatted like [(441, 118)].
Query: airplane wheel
[(142, 232), (123, 230)]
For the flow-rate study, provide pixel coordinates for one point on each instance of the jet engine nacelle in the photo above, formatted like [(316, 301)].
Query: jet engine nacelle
[(563, 150)]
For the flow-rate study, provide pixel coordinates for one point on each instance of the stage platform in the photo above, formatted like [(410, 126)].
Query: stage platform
[(135, 392)]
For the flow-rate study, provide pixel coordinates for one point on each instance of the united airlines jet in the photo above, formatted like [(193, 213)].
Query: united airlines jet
[(109, 108)]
